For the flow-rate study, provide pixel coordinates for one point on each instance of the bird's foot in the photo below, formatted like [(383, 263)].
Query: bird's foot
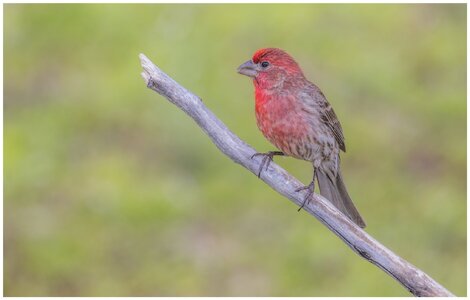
[(267, 159), (310, 189)]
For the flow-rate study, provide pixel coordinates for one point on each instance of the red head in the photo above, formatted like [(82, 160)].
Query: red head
[(270, 67)]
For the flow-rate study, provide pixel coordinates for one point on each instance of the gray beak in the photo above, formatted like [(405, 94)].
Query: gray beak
[(248, 68)]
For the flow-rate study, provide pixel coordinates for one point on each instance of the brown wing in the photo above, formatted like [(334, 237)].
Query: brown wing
[(327, 114), (329, 118)]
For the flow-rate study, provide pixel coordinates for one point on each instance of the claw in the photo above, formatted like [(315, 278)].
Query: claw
[(302, 188), (310, 189), (267, 159)]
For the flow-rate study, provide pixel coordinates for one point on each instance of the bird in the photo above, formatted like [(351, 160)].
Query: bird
[(295, 116)]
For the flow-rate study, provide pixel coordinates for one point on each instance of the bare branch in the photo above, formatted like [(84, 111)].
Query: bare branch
[(413, 279)]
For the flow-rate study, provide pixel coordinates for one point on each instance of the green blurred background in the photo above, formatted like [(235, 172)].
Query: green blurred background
[(109, 190)]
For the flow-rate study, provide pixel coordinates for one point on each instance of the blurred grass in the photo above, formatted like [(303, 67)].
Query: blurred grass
[(111, 191)]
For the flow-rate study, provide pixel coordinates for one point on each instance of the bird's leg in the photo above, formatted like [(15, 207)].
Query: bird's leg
[(267, 159), (310, 189)]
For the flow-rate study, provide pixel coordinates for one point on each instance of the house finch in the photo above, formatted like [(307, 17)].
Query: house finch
[(294, 115)]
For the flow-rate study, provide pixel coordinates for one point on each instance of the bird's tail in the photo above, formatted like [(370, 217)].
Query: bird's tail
[(333, 189)]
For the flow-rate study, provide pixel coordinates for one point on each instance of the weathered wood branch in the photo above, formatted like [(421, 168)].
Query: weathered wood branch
[(412, 278)]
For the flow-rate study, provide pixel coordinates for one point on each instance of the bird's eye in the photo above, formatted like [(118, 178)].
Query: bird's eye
[(264, 64)]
